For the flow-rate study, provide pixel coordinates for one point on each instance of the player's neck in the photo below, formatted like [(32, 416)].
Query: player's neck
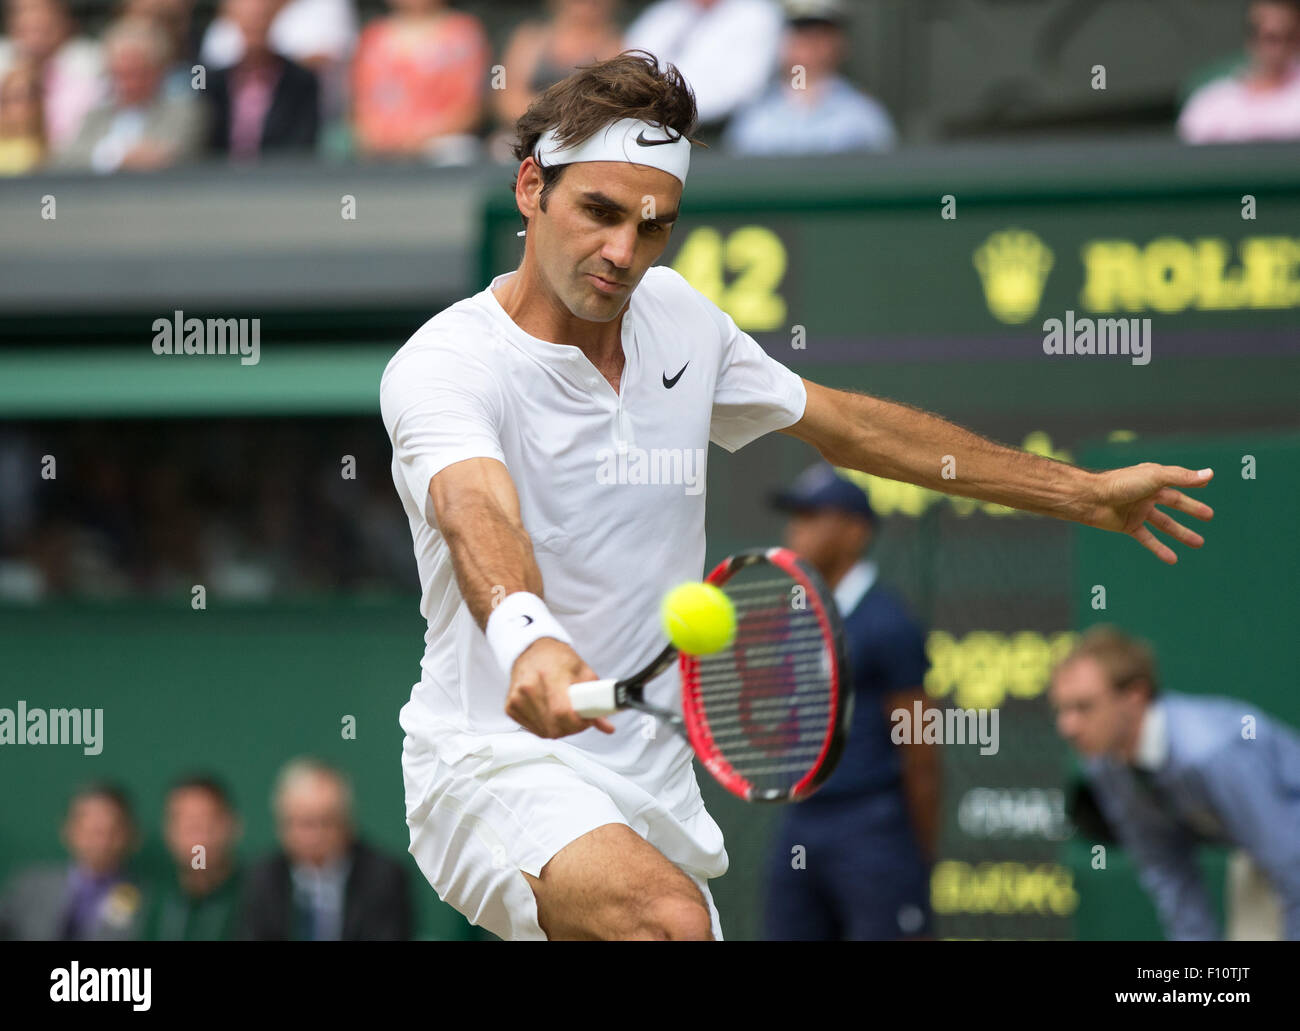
[(541, 315)]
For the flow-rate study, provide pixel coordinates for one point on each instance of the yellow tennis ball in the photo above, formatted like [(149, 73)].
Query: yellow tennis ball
[(698, 618)]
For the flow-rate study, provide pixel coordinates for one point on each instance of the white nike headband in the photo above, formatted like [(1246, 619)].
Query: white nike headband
[(628, 139)]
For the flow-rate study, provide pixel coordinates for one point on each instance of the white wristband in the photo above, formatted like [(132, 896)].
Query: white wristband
[(516, 623)]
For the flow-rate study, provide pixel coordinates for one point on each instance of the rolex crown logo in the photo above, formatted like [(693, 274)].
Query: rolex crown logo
[(1013, 265)]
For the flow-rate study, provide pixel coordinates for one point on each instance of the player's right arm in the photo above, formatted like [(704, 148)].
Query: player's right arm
[(477, 511)]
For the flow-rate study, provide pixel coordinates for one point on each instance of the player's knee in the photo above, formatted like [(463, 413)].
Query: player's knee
[(675, 917)]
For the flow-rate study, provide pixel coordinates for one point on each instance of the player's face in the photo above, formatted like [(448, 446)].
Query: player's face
[(195, 817), (1091, 714), (98, 835), (605, 223)]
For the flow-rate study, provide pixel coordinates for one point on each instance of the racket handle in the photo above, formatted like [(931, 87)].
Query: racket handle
[(593, 698)]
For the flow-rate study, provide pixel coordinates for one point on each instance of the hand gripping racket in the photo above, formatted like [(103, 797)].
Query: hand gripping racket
[(767, 715)]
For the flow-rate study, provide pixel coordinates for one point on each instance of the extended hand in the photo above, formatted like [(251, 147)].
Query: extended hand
[(1127, 500)]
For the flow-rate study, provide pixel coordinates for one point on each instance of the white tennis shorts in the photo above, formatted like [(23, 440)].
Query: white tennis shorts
[(482, 808)]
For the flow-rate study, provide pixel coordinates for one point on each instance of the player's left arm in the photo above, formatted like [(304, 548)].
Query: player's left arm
[(896, 441)]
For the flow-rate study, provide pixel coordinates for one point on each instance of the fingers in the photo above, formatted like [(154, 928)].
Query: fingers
[(530, 705), (539, 699), (1176, 530), (603, 725), (1176, 499), (1177, 476), (1149, 541)]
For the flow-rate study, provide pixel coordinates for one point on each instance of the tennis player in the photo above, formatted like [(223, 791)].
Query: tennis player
[(532, 424)]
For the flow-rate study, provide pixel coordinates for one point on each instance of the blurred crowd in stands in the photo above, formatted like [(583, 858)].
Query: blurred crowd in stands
[(249, 508), (419, 79), (322, 883)]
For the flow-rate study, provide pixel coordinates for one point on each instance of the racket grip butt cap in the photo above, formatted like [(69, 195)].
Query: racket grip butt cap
[(593, 698)]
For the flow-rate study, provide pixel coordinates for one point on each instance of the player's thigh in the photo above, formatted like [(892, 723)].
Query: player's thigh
[(613, 884)]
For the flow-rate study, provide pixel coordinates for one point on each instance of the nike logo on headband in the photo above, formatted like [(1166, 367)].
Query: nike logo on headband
[(657, 143)]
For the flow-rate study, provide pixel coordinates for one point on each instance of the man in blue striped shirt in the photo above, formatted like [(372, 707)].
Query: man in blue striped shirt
[(1172, 771)]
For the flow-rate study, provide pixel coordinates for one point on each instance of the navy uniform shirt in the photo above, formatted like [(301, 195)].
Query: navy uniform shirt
[(886, 651)]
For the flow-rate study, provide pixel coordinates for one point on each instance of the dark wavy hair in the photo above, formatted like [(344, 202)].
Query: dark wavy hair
[(631, 85)]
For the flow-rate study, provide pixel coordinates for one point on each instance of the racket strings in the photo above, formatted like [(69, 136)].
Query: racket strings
[(768, 700)]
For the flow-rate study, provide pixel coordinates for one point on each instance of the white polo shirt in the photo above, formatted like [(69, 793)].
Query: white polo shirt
[(611, 485)]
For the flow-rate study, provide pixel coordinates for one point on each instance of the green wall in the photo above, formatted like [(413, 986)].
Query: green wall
[(238, 691), (1222, 621)]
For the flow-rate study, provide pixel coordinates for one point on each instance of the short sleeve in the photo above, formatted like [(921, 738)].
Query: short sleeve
[(440, 406), (754, 393)]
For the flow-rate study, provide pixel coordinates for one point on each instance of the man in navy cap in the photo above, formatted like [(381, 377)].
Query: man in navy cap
[(852, 862)]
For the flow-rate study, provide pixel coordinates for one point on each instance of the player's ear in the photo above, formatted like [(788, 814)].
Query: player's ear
[(528, 188)]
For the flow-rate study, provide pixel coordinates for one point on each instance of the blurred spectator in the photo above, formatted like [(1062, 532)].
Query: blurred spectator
[(418, 83), (1262, 102), (726, 49), (870, 832), (810, 108), (22, 124), (1171, 772), (176, 19), (41, 31), (320, 35), (265, 102), (91, 899), (140, 128), (325, 884), (200, 828), (541, 53)]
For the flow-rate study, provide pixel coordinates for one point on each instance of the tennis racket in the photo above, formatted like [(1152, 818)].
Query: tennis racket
[(767, 715)]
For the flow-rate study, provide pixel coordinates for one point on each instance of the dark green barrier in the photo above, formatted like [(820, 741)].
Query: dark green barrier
[(235, 691)]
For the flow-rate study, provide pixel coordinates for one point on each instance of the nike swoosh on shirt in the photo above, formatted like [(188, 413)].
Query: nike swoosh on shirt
[(528, 620), (670, 383)]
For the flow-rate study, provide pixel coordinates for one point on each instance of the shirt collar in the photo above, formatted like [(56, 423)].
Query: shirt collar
[(566, 359), (855, 583), (1153, 739)]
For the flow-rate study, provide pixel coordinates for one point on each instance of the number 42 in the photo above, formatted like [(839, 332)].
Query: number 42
[(755, 256)]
